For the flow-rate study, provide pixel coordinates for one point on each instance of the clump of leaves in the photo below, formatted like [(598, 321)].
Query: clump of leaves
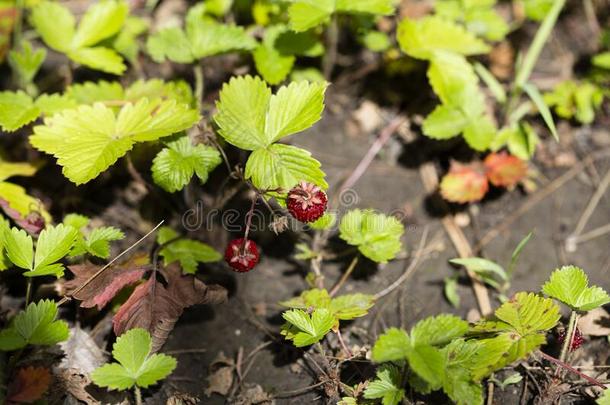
[(376, 235), (36, 325), (201, 37), (252, 118), (136, 366), (57, 27), (314, 313), (570, 285), (575, 100), (470, 182)]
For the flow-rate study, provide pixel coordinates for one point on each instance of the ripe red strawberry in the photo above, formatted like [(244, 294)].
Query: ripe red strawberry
[(242, 257), (576, 342), (306, 202)]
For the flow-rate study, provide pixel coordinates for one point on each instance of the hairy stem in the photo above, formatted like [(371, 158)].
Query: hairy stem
[(345, 276), (138, 395), (571, 369), (199, 84), (567, 342), (28, 292), (332, 40)]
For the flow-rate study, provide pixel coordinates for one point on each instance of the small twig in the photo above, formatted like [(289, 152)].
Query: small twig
[(344, 277), (185, 351), (100, 271), (588, 211), (539, 197), (408, 270), (332, 42), (346, 349), (384, 136), (592, 234), (299, 391), (429, 177), (571, 369)]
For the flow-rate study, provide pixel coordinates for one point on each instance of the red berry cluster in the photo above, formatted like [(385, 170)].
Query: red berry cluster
[(576, 342), (242, 256), (306, 202)]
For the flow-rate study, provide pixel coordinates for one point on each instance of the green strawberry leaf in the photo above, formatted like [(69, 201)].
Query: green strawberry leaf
[(393, 345), (16, 110), (570, 285), (386, 386), (376, 235), (304, 329), (54, 243), (136, 365), (187, 252)]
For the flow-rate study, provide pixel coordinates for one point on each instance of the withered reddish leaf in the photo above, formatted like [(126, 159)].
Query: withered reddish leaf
[(156, 307), (464, 183), (108, 284), (504, 170), (29, 385), (33, 223)]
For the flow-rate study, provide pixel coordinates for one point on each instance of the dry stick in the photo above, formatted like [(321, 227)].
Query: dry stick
[(344, 277), (595, 233), (299, 391), (572, 369), (321, 238), (430, 180), (408, 270), (100, 271), (540, 196), (343, 345), (595, 199)]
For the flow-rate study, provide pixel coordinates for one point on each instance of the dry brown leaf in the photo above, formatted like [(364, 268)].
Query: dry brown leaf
[(29, 385), (253, 394), (81, 352), (75, 383), (108, 284), (221, 375), (595, 323), (156, 306)]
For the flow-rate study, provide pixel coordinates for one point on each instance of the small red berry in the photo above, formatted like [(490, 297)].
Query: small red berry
[(306, 202), (242, 257), (576, 342)]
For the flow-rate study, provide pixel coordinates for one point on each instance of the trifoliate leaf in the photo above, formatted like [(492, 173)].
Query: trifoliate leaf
[(304, 329), (520, 328), (16, 110), (386, 386), (376, 235), (283, 166), (464, 183), (26, 61), (422, 38), (438, 330), (393, 345), (251, 118), (504, 170), (36, 326), (186, 251), (88, 140), (570, 285), (56, 24), (136, 365), (176, 164)]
